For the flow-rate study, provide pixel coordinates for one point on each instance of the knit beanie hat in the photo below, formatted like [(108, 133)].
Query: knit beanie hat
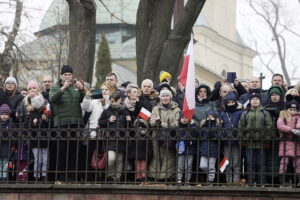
[(165, 92), (230, 97), (275, 90), (4, 109), (11, 80), (255, 95), (37, 101), (211, 112), (32, 84), (292, 104), (66, 69), (163, 75)]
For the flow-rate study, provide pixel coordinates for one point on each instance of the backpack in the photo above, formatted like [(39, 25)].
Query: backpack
[(264, 116)]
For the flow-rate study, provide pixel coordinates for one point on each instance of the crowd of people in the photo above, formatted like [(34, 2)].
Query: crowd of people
[(240, 109)]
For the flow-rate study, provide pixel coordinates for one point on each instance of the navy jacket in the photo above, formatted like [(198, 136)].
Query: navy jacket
[(230, 120)]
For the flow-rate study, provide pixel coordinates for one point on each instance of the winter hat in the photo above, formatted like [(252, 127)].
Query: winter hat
[(163, 75), (66, 69), (230, 97), (255, 95), (275, 90), (292, 104), (4, 109), (130, 86), (37, 101), (125, 84), (211, 112), (165, 92), (11, 80), (32, 84), (165, 85)]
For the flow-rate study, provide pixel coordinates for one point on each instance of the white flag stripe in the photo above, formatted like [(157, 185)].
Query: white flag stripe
[(190, 85)]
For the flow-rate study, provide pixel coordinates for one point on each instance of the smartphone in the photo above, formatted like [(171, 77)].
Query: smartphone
[(97, 94), (231, 76)]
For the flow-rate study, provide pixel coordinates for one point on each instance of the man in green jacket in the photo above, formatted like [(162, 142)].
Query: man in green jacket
[(66, 96), (256, 121)]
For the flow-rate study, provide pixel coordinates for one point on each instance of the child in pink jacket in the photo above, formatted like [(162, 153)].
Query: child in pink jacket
[(289, 125)]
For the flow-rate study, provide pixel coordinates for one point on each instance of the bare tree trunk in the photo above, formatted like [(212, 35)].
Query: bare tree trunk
[(6, 58), (159, 48), (82, 25)]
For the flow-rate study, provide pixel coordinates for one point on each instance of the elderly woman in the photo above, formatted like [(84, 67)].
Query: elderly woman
[(165, 115)]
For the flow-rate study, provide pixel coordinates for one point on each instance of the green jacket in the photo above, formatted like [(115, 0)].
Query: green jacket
[(67, 108), (254, 120)]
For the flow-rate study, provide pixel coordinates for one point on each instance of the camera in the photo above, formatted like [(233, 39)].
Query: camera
[(97, 94)]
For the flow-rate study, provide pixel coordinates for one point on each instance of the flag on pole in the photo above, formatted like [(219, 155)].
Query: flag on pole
[(187, 78), (144, 114)]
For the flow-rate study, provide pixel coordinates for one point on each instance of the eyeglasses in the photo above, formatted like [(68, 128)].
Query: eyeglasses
[(10, 83), (47, 81), (32, 88)]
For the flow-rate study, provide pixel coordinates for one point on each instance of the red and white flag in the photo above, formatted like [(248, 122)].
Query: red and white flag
[(187, 78), (144, 114), (223, 164)]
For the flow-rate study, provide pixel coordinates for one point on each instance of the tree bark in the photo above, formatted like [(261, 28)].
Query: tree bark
[(6, 58), (82, 26), (159, 48)]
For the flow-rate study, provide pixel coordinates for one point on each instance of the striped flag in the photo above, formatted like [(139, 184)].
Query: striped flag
[(144, 114), (187, 78)]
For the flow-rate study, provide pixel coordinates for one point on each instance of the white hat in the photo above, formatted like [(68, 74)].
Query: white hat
[(165, 92), (37, 101), (11, 80)]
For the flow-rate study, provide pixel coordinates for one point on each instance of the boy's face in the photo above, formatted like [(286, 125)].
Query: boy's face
[(275, 98), (230, 103), (4, 117), (115, 103), (255, 102), (292, 111)]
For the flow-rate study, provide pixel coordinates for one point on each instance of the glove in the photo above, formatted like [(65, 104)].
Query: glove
[(296, 132)]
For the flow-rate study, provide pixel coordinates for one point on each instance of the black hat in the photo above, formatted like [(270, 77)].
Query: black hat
[(292, 104), (255, 95), (66, 69)]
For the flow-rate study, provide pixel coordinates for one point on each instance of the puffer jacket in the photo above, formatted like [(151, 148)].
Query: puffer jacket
[(255, 121), (286, 146), (209, 134), (231, 120), (203, 106), (168, 117), (66, 105)]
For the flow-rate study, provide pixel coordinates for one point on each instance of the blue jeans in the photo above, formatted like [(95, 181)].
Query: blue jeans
[(3, 167), (256, 158)]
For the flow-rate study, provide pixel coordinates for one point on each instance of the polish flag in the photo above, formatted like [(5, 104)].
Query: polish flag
[(144, 114), (223, 164), (47, 110), (187, 78)]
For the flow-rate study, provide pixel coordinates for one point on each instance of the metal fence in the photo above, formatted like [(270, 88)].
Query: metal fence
[(180, 156)]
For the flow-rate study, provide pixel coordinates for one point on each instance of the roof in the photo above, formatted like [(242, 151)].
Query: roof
[(58, 12)]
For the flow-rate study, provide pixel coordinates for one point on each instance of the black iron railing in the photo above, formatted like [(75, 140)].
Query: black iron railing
[(183, 156)]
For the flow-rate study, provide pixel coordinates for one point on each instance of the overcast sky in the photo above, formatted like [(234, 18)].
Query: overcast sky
[(246, 23)]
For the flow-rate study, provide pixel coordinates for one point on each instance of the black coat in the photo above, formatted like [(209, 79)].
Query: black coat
[(4, 98), (4, 144), (140, 147), (38, 136), (116, 140), (15, 101)]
